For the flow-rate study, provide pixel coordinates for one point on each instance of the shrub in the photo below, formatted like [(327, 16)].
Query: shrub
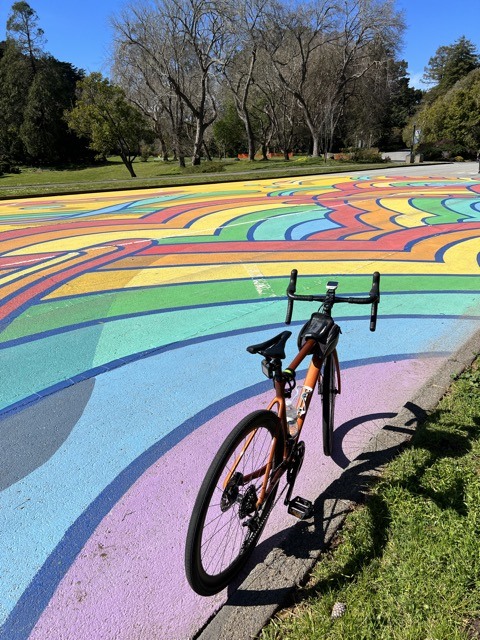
[(354, 154), (146, 150), (441, 150), (7, 167), (342, 157), (459, 159)]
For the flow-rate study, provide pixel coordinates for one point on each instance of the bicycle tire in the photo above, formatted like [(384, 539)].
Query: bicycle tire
[(329, 392), (219, 541)]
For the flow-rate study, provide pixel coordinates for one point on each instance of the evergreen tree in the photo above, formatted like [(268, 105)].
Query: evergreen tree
[(402, 103), (450, 64), (44, 130), (229, 132), (22, 26), (15, 79)]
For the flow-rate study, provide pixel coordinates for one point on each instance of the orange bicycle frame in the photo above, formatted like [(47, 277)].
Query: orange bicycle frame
[(279, 402)]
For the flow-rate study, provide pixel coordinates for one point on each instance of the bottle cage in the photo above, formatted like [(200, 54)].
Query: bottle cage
[(323, 329)]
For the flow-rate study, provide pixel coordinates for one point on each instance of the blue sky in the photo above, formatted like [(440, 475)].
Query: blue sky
[(79, 32)]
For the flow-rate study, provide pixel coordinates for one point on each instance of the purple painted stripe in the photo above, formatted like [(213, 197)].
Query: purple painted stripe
[(136, 547)]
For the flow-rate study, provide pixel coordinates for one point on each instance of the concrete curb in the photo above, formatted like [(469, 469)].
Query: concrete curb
[(271, 584)]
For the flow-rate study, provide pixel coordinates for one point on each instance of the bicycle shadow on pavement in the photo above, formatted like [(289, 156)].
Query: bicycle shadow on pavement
[(331, 505), (283, 562)]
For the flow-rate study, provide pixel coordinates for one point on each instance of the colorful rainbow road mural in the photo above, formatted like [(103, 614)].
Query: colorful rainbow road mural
[(124, 319)]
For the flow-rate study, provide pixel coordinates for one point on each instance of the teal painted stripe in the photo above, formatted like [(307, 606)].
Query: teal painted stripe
[(61, 356)]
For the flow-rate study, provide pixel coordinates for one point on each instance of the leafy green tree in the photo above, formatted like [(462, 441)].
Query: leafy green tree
[(452, 121), (229, 132), (450, 64), (103, 115)]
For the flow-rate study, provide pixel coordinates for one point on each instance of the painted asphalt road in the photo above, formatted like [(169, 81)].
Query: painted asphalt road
[(125, 318)]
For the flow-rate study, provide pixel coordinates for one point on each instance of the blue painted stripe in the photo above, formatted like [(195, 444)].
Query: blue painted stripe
[(39, 592), (125, 359)]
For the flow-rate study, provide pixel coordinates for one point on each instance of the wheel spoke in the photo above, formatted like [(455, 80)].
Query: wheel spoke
[(219, 537)]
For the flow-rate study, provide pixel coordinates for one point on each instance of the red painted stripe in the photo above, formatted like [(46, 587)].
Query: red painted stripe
[(392, 240), (43, 283)]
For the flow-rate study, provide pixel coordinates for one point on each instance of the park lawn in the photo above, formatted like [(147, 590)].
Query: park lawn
[(155, 173), (407, 563)]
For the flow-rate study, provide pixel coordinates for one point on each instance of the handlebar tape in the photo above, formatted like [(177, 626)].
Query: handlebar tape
[(375, 293), (290, 291)]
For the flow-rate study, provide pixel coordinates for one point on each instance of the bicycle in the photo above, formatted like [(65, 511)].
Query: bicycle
[(240, 486)]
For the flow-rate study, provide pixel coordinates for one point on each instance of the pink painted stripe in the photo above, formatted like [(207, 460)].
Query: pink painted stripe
[(128, 582)]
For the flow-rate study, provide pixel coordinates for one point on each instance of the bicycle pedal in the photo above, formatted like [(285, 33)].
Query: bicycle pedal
[(300, 508)]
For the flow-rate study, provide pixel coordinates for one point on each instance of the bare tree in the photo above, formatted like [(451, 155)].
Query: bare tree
[(246, 22), (177, 57), (371, 33), (144, 89), (279, 105), (181, 43), (292, 38), (321, 49)]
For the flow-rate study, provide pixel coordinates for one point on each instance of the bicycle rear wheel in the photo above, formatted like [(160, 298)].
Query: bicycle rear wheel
[(226, 523), (329, 390)]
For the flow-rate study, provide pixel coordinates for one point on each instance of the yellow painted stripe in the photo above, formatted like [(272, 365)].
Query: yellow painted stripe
[(459, 259), (84, 240)]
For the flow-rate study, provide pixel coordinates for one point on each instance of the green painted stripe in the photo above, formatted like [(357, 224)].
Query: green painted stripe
[(54, 314)]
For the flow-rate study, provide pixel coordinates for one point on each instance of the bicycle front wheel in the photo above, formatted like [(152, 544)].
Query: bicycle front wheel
[(227, 521), (329, 390)]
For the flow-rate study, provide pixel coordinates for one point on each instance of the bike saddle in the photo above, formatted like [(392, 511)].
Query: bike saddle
[(273, 348)]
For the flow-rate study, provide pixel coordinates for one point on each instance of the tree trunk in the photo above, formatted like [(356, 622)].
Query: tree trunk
[(178, 151), (207, 152), (129, 164), (164, 148), (250, 138), (198, 143), (286, 157)]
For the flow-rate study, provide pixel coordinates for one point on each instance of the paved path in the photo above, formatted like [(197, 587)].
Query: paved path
[(124, 321)]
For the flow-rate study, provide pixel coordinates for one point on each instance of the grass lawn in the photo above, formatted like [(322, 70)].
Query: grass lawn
[(406, 565), (156, 173)]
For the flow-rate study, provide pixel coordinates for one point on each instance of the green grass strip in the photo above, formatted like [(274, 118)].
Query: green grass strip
[(153, 174), (407, 563)]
